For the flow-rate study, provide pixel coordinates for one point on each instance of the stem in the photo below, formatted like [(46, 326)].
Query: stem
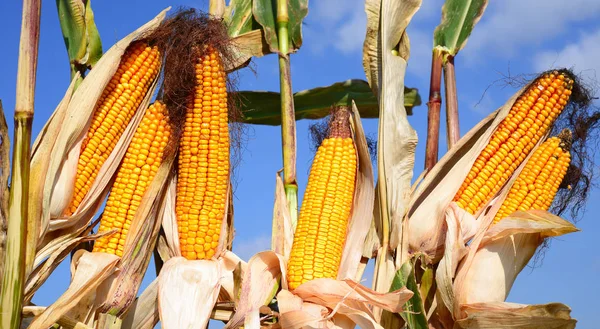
[(452, 127), (13, 283), (434, 105), (288, 116)]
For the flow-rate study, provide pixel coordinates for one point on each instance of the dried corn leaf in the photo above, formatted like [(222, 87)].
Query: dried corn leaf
[(187, 292), (508, 315), (41, 273), (362, 207), (65, 322), (169, 219), (143, 313), (283, 228), (92, 269), (4, 193), (260, 283), (61, 170)]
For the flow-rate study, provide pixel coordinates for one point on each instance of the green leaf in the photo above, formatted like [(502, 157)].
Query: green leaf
[(265, 13), (94, 43), (414, 314), (80, 34), (238, 17), (458, 19), (263, 107)]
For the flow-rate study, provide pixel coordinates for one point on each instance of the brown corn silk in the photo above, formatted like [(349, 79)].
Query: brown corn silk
[(114, 110), (530, 118), (140, 164), (538, 183), (322, 225), (203, 174)]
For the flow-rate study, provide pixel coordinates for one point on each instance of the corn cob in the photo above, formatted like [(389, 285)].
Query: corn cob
[(321, 231), (113, 112), (538, 182), (203, 174), (529, 119), (142, 160)]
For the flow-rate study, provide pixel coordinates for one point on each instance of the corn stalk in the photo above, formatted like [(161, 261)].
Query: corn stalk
[(288, 117), (13, 283)]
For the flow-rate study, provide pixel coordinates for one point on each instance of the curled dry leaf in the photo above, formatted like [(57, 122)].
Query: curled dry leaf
[(504, 251), (508, 315), (187, 292), (91, 270), (259, 284), (350, 303)]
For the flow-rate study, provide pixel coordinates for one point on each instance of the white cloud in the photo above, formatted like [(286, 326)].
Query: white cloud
[(508, 25), (351, 34), (248, 248), (421, 43), (582, 56)]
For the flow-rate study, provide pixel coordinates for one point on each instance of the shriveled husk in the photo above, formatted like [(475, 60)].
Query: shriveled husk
[(64, 152), (430, 201)]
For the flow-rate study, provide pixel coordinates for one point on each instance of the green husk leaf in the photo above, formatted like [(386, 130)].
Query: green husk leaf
[(265, 13), (414, 313), (458, 20), (238, 17), (80, 34), (263, 107)]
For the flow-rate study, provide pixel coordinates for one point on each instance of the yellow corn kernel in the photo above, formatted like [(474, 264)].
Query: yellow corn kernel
[(139, 166), (203, 173), (530, 117), (538, 182), (113, 112), (321, 231)]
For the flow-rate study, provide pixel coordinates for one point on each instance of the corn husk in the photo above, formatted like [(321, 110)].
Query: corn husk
[(143, 313), (61, 170), (505, 250), (361, 214), (429, 202), (91, 270)]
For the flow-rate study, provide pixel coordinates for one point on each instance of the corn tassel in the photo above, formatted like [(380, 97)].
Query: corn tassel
[(140, 164), (538, 183), (203, 174), (529, 119), (321, 231), (114, 110)]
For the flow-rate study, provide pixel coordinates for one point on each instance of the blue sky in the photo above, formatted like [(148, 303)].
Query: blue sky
[(516, 36)]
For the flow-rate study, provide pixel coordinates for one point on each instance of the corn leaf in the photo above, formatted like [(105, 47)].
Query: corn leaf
[(265, 13), (458, 20), (263, 107), (80, 34), (414, 312)]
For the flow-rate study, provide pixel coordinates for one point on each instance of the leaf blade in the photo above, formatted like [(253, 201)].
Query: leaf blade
[(458, 20)]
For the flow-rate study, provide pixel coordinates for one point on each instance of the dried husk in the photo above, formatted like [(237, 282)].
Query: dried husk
[(504, 251), (509, 315), (187, 292), (429, 202), (61, 171), (361, 215), (143, 313), (283, 228), (91, 270)]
